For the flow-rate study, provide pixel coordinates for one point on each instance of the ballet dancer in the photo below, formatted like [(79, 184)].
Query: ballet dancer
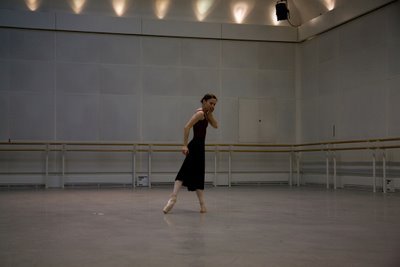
[(192, 171)]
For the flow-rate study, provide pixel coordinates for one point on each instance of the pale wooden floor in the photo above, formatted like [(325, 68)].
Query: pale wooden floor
[(245, 226)]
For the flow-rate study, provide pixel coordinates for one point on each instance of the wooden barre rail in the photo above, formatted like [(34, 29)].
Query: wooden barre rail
[(80, 143), (294, 151), (155, 147)]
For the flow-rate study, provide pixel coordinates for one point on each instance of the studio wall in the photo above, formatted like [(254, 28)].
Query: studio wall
[(104, 87), (350, 80), (80, 85)]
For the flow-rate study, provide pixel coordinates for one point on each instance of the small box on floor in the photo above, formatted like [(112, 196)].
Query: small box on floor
[(390, 185), (143, 180)]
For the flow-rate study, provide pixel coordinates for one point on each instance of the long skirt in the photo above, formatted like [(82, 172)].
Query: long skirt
[(192, 171)]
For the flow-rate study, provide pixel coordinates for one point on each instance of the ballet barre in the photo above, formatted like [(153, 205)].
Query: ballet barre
[(294, 152)]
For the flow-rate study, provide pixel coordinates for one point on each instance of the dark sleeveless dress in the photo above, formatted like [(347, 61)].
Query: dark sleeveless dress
[(192, 172)]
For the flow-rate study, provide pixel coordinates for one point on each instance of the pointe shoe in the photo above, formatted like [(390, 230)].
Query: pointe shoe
[(203, 208), (170, 204)]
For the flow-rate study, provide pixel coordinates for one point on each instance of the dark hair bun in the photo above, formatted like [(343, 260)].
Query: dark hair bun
[(207, 97)]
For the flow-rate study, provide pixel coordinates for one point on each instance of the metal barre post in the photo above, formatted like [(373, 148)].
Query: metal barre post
[(298, 168), (374, 171), (47, 166), (215, 165), (63, 166), (384, 171), (134, 167), (149, 167), (291, 169), (327, 169), (230, 166), (334, 172)]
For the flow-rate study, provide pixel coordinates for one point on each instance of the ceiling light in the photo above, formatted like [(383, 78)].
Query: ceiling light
[(161, 8), (119, 7), (33, 5)]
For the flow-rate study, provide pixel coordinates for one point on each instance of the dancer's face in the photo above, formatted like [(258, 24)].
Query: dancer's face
[(209, 105)]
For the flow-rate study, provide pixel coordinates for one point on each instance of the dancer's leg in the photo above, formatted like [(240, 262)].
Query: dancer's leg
[(177, 187), (172, 200), (200, 195)]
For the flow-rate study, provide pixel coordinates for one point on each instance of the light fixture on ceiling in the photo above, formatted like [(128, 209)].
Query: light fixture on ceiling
[(161, 8), (282, 11), (202, 8), (119, 6), (77, 5), (33, 5), (241, 9)]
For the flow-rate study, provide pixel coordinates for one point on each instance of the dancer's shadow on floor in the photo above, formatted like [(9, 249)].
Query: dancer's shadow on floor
[(182, 217)]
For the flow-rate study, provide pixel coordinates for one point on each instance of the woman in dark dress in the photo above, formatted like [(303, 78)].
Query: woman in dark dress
[(192, 172)]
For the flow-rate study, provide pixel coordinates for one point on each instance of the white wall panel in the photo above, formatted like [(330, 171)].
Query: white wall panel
[(236, 54), (32, 116), (161, 51), (259, 32), (181, 28), (309, 119), (77, 47), (363, 112), (201, 53), (276, 83), (119, 49), (349, 37), (309, 64), (134, 88), (285, 121), (328, 78), (257, 120), (4, 116), (364, 59), (38, 76), (338, 16), (77, 117), (78, 78), (329, 112), (32, 20), (309, 83), (96, 162), (119, 118), (372, 33), (309, 55), (328, 46), (276, 56), (4, 75), (352, 67), (392, 21), (167, 162), (267, 83), (119, 79), (161, 81), (93, 23), (229, 122), (197, 82), (29, 162), (4, 43), (393, 58), (92, 48), (159, 121), (239, 83), (32, 45), (393, 107)]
